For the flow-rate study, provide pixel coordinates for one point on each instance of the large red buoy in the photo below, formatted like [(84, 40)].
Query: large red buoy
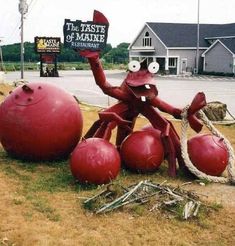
[(208, 154), (142, 151), (95, 161), (155, 131), (40, 121)]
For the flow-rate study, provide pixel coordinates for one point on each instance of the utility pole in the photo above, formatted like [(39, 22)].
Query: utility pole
[(198, 35), (23, 9), (1, 57)]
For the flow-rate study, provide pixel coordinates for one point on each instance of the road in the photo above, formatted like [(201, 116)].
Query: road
[(178, 91)]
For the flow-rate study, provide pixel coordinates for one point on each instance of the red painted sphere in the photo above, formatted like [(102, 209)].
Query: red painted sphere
[(149, 127), (40, 121), (142, 151), (95, 161), (208, 154)]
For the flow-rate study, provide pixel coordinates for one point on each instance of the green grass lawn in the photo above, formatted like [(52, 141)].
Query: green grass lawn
[(33, 66)]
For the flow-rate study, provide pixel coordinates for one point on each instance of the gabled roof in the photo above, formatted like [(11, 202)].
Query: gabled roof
[(185, 35), (229, 43), (214, 44)]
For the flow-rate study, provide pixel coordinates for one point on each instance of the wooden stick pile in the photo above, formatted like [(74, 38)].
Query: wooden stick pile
[(183, 203)]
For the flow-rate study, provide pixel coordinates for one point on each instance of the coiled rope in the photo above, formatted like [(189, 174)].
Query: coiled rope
[(184, 150)]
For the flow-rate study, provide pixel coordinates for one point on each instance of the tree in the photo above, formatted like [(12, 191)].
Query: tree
[(118, 54), (107, 48), (69, 55), (11, 53), (30, 55)]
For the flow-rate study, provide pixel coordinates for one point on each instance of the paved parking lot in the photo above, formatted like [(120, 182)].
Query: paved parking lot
[(200, 77), (176, 90)]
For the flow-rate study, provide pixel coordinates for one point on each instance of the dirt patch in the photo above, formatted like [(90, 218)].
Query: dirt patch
[(41, 205), (4, 91)]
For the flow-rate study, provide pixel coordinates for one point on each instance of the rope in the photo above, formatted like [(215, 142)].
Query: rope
[(184, 150), (230, 114)]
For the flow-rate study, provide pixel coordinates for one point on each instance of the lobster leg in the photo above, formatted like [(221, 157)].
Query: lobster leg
[(105, 130), (124, 131), (176, 142), (167, 135), (96, 125), (118, 114)]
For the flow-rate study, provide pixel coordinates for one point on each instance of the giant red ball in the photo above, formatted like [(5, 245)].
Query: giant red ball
[(142, 151), (208, 154), (40, 121), (95, 161), (150, 128)]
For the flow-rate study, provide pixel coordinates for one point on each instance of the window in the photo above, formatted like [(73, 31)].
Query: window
[(147, 40), (172, 62)]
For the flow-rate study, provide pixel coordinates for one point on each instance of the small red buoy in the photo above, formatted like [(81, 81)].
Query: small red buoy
[(208, 154), (95, 161), (142, 151), (40, 121)]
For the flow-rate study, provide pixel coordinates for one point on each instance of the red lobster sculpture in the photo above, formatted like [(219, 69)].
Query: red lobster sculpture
[(138, 95)]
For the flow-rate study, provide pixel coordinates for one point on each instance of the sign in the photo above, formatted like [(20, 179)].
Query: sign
[(47, 45), (48, 58), (85, 35)]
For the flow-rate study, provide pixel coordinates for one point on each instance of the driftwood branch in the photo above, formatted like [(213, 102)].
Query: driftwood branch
[(163, 196)]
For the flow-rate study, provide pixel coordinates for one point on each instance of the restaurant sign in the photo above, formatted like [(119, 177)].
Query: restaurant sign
[(85, 35), (47, 44)]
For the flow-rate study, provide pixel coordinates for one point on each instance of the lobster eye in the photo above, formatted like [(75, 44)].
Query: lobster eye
[(153, 67), (134, 66)]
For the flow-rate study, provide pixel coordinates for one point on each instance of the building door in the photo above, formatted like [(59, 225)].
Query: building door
[(172, 65), (183, 65), (147, 60), (161, 62)]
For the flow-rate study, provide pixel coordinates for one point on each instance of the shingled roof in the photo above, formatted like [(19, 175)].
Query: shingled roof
[(185, 35), (229, 43)]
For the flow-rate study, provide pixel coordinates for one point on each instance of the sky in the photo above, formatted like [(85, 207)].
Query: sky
[(126, 17)]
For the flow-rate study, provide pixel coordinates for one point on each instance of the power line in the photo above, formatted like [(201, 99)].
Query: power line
[(18, 25), (33, 3), (13, 33)]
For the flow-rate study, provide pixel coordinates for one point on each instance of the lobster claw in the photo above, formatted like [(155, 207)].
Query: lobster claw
[(198, 103), (99, 18), (88, 53)]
